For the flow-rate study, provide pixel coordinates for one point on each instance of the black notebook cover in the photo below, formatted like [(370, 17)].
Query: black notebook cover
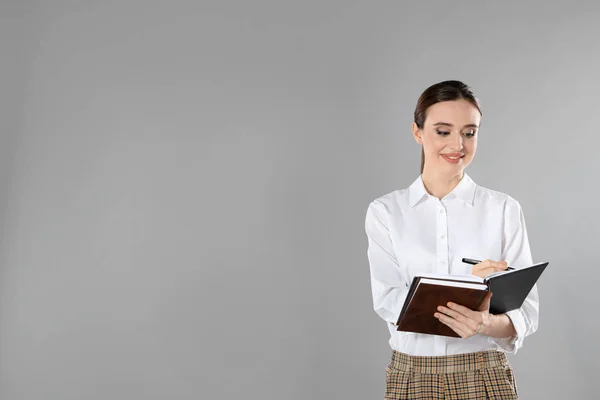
[(511, 288)]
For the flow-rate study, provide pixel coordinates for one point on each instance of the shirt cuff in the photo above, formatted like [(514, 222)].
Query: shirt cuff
[(513, 343)]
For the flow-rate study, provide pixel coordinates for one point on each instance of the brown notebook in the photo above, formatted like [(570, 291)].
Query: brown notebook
[(427, 293)]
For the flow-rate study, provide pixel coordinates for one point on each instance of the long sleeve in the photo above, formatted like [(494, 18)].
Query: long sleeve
[(517, 253), (388, 282)]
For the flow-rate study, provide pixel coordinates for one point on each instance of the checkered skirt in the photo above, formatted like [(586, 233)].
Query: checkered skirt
[(479, 375)]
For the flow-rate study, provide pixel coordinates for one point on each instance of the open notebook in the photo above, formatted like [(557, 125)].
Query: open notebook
[(428, 291)]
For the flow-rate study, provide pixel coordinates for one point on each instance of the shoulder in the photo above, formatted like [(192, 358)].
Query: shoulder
[(498, 200), (388, 204)]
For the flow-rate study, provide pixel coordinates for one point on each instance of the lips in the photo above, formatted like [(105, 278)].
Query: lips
[(453, 158)]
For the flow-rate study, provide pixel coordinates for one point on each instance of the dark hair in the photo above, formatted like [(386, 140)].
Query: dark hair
[(441, 91)]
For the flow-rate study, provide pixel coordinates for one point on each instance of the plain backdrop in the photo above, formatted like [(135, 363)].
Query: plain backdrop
[(184, 186)]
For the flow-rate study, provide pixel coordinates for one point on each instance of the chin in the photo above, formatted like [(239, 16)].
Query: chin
[(454, 168)]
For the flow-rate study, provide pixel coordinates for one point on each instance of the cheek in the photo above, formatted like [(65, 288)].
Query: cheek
[(434, 145), (470, 145)]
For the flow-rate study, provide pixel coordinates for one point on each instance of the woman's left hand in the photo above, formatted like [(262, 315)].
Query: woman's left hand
[(464, 321)]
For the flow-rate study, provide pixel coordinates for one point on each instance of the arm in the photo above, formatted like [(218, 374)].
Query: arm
[(524, 321), (388, 283)]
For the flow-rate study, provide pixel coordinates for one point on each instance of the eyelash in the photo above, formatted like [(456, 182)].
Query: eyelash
[(443, 133)]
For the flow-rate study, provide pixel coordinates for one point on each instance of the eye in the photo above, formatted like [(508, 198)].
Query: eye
[(442, 133), (469, 134)]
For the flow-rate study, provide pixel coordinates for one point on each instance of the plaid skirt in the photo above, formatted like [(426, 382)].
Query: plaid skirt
[(479, 375)]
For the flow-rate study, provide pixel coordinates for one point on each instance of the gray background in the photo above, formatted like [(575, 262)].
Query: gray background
[(184, 186)]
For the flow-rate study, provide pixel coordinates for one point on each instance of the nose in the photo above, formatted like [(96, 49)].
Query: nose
[(458, 142)]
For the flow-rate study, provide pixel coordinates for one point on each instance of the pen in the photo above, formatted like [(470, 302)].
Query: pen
[(472, 261)]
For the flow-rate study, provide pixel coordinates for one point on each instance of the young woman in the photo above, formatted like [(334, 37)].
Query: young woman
[(429, 227)]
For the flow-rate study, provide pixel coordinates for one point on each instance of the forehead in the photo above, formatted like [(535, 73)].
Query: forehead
[(456, 112)]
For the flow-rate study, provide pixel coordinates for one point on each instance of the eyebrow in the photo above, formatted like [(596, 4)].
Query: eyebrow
[(448, 124)]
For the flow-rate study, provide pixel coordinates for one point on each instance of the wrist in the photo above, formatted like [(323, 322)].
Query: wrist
[(499, 326)]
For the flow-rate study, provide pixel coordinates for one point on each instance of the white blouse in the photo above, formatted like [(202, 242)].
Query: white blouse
[(410, 231)]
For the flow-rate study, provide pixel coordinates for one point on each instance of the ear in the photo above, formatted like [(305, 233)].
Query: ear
[(417, 133)]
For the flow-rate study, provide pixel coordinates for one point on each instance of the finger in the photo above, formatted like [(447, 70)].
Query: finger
[(450, 322), (455, 314), (491, 270), (500, 265), (495, 267), (467, 313), (489, 265), (470, 321), (494, 264), (453, 324), (464, 330)]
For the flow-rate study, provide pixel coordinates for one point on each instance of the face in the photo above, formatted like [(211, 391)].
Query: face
[(449, 136)]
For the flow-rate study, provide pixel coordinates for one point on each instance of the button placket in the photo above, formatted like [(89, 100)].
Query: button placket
[(442, 243), (442, 260)]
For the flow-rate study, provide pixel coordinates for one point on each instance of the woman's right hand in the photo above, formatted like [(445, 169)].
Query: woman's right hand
[(488, 267)]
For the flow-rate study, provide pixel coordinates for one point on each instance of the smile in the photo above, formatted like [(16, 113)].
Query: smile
[(452, 158)]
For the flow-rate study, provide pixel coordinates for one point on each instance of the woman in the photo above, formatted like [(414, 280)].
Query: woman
[(428, 228)]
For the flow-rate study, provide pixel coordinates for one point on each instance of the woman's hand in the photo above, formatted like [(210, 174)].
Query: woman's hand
[(488, 267), (467, 322)]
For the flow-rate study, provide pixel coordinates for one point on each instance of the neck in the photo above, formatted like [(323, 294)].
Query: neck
[(439, 185)]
